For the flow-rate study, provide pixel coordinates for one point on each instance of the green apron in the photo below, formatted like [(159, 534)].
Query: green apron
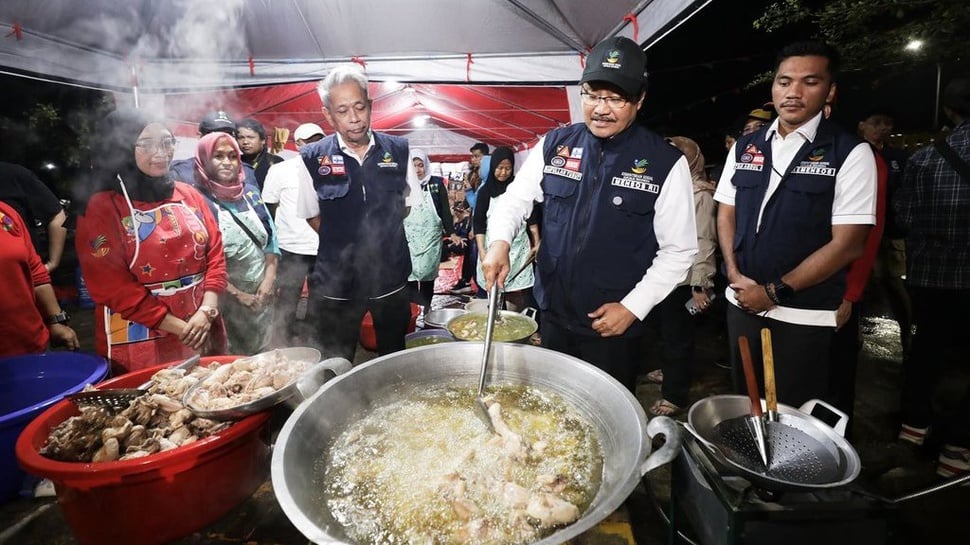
[(423, 229), (518, 255), (248, 331)]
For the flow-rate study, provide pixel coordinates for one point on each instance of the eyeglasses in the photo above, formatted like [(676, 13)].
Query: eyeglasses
[(615, 103), (153, 146)]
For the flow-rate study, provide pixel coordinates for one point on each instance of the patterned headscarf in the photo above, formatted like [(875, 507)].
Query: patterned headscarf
[(203, 153)]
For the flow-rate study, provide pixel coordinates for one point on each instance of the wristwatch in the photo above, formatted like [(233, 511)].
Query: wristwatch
[(59, 318), (697, 289), (782, 291), (210, 312)]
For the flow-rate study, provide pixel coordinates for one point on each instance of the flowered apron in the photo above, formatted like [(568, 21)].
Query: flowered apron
[(518, 254), (170, 261), (422, 227), (248, 330)]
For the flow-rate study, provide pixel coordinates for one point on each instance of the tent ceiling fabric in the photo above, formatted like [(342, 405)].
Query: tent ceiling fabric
[(200, 44), (490, 52), (455, 116)]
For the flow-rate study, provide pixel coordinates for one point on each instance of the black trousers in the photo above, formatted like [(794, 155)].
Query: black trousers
[(844, 364), (615, 355), (337, 323), (290, 276), (801, 355), (942, 325), (421, 292), (675, 328)]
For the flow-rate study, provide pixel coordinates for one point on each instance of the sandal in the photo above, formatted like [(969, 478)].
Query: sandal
[(656, 376), (662, 407)]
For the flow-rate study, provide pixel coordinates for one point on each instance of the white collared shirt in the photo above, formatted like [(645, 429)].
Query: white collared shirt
[(673, 225), (854, 202), (309, 207)]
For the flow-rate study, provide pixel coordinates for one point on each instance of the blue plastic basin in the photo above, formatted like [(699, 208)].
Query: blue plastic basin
[(30, 384)]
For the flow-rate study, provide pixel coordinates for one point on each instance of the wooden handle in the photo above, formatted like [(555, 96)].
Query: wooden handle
[(749, 377), (771, 395)]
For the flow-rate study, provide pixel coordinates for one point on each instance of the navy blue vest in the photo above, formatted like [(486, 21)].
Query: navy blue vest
[(597, 219), (363, 252), (797, 219)]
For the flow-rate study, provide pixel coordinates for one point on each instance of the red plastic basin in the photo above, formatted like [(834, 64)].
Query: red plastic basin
[(158, 498), (368, 338)]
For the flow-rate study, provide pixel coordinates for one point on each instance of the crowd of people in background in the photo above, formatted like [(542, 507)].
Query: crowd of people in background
[(630, 230)]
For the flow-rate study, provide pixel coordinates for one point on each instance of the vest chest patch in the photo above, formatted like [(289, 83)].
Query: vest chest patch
[(559, 171), (644, 184), (331, 165), (751, 159), (387, 161), (814, 170)]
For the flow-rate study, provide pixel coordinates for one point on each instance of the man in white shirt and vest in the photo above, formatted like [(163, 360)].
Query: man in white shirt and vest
[(797, 199), (618, 231)]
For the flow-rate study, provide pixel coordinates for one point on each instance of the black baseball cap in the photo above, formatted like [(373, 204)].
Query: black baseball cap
[(218, 121), (618, 61)]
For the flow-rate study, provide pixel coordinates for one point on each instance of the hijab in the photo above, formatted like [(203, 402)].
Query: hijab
[(498, 155), (232, 191), (695, 160), (423, 155), (114, 157)]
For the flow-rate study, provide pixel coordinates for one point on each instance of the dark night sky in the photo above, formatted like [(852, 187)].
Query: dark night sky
[(717, 53)]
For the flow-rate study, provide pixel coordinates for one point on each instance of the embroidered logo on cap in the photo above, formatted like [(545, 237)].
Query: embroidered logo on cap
[(612, 59)]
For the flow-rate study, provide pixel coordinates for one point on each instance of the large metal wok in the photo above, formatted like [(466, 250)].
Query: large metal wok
[(805, 453), (617, 416)]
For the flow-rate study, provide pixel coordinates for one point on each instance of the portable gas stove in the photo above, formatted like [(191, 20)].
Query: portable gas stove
[(724, 509)]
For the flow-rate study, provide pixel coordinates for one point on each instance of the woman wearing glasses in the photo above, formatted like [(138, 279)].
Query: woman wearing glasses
[(150, 251)]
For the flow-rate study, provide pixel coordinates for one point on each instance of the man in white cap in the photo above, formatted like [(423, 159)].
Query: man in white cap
[(618, 229), (298, 241)]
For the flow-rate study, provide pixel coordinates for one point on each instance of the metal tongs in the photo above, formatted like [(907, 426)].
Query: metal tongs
[(119, 398)]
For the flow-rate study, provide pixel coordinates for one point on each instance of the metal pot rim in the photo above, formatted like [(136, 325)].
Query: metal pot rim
[(850, 466)]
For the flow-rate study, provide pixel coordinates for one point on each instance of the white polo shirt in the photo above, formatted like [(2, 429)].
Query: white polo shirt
[(282, 187)]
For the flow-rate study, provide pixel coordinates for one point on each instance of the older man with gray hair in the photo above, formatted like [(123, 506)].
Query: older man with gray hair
[(361, 185)]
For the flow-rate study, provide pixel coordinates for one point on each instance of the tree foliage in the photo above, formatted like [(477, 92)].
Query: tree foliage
[(874, 33)]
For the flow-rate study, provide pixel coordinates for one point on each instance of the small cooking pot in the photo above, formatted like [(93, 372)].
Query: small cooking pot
[(439, 318), (804, 453), (526, 317)]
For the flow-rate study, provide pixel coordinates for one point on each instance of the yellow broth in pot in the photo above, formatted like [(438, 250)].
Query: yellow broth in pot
[(510, 327), (426, 470)]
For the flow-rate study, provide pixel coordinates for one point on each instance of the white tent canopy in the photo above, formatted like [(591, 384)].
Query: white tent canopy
[(162, 46)]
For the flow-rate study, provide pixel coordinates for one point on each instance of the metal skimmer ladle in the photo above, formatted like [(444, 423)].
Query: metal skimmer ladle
[(119, 398), (493, 295), (493, 309)]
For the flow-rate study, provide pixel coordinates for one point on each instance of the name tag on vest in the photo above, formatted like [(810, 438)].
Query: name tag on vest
[(748, 166), (636, 184), (549, 169), (813, 170)]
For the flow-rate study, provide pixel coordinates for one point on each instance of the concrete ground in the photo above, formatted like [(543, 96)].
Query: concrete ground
[(888, 469)]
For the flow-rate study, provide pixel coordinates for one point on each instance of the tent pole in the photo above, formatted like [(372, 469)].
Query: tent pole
[(134, 85)]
